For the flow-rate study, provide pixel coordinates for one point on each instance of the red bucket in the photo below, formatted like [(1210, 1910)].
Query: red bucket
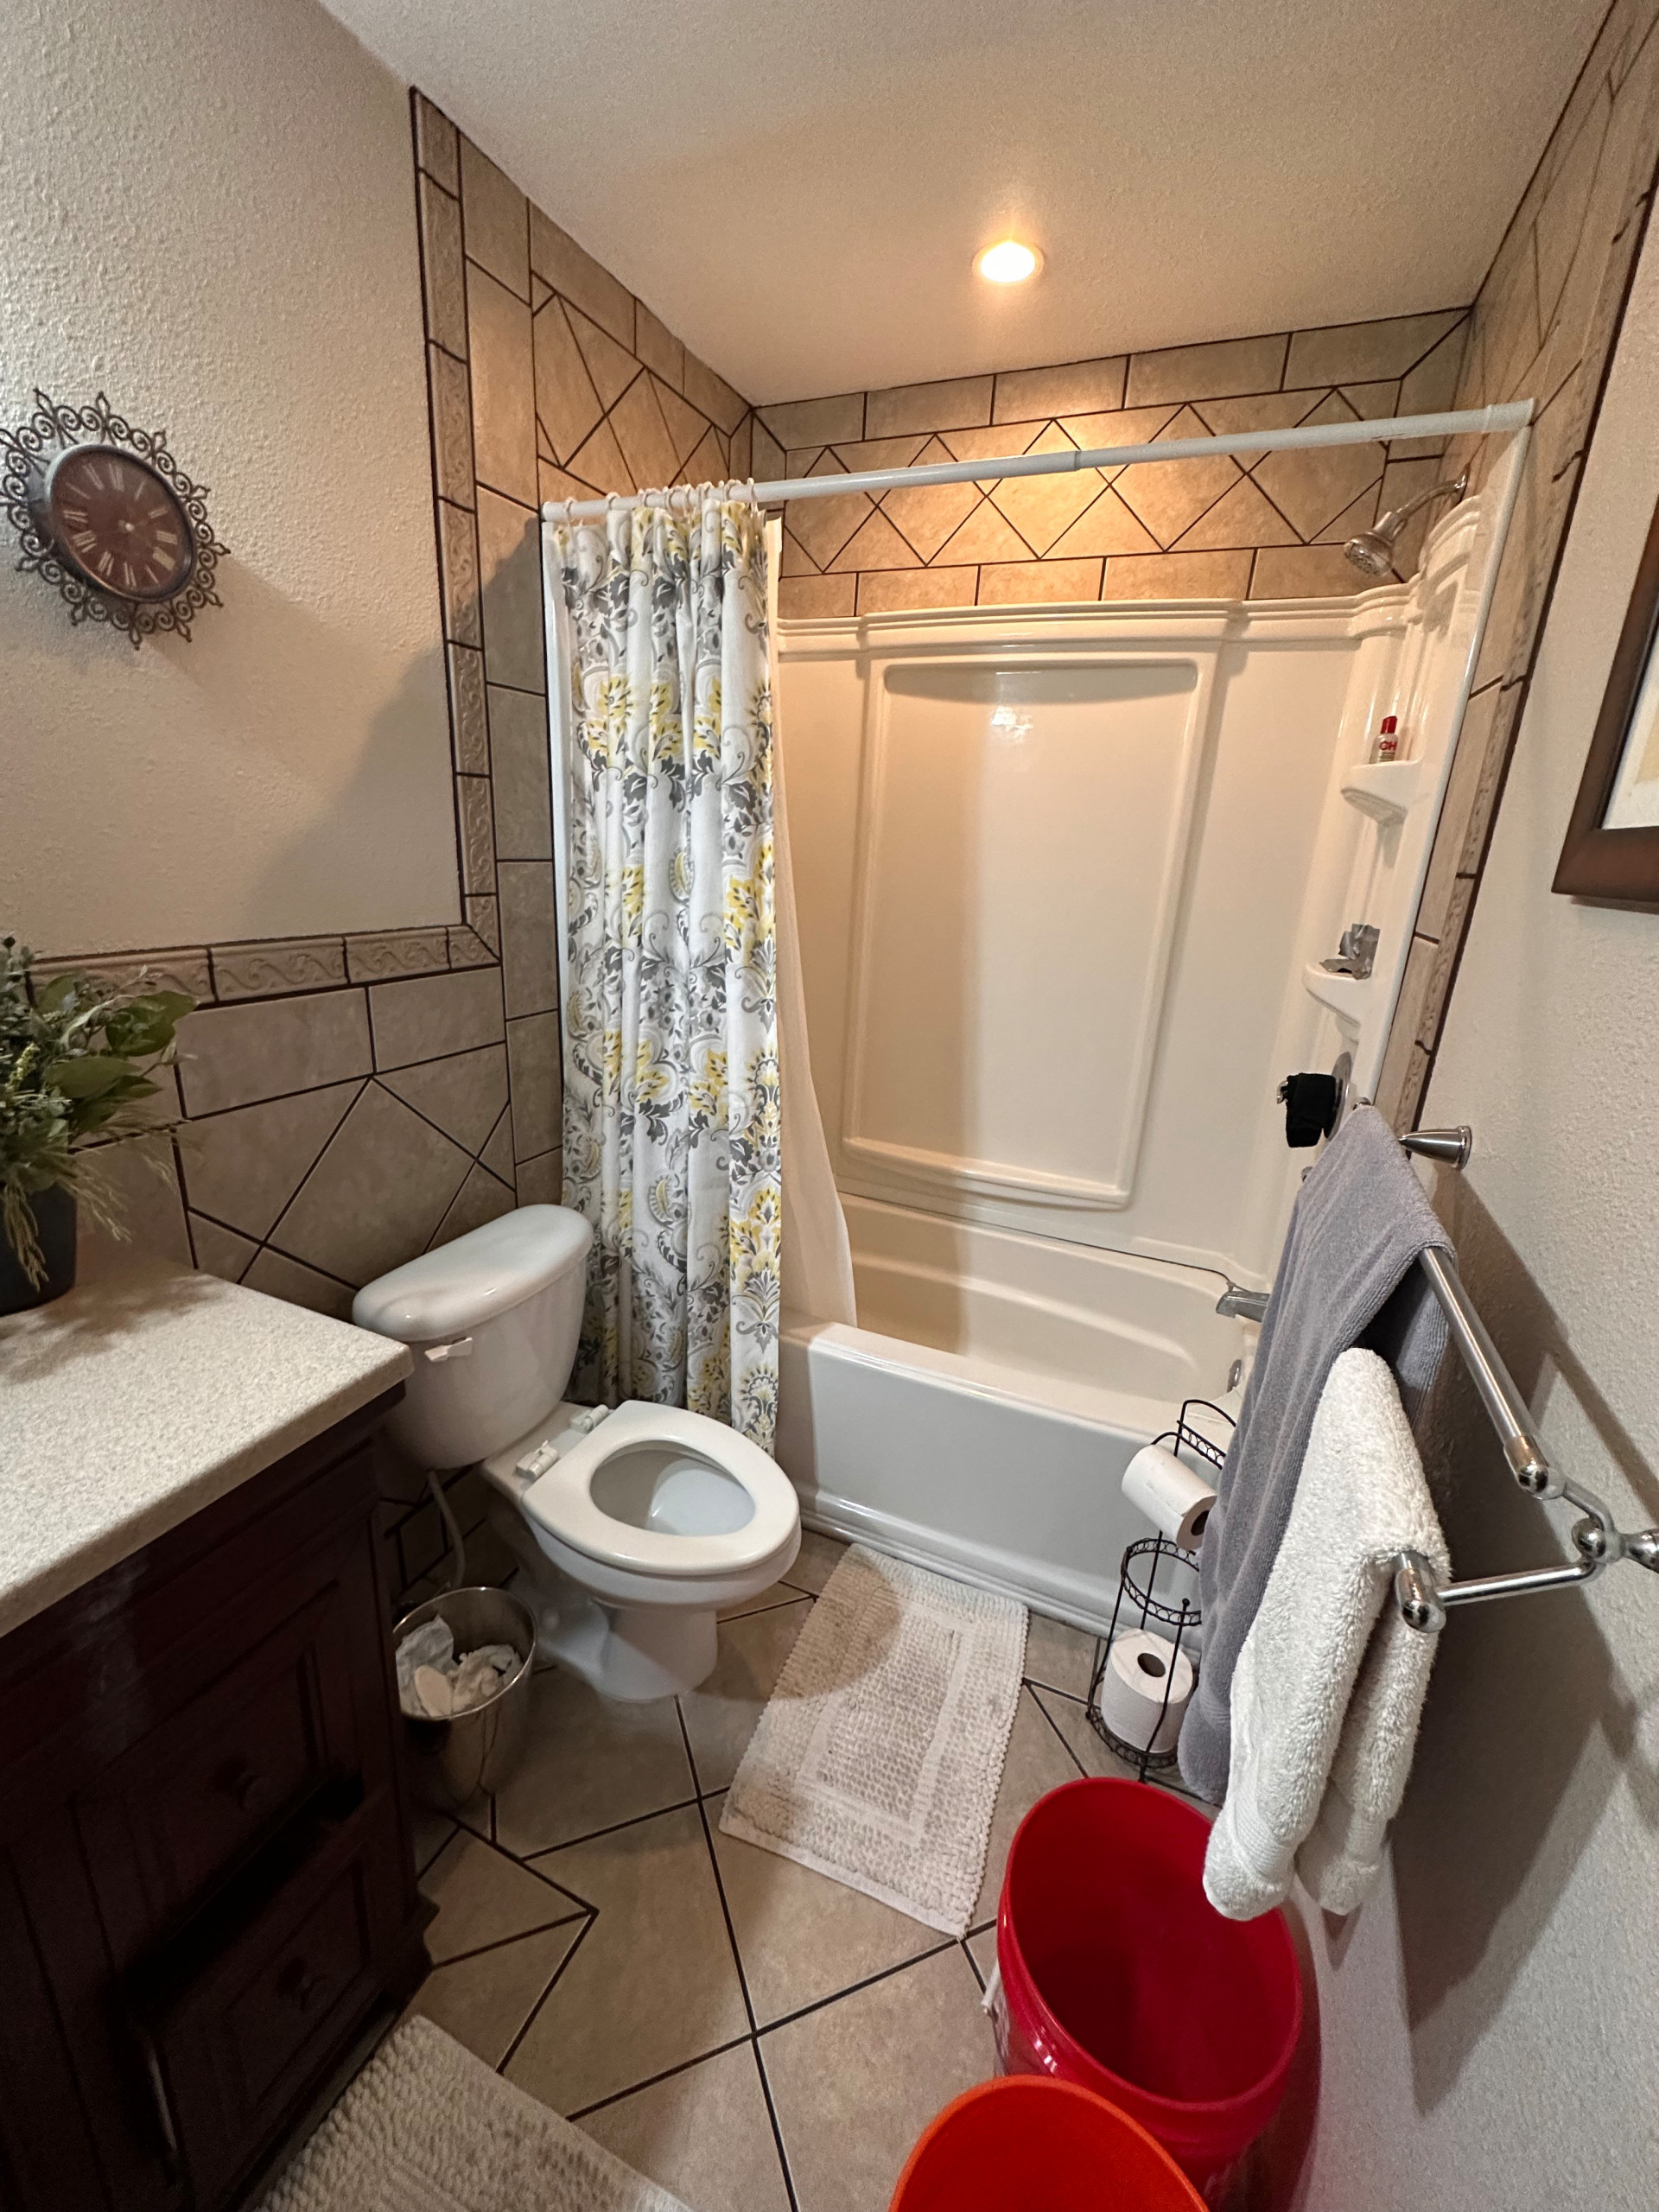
[(1025, 2144), (1119, 1974)]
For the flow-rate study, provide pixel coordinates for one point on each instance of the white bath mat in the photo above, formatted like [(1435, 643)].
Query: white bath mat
[(427, 2127), (878, 1756)]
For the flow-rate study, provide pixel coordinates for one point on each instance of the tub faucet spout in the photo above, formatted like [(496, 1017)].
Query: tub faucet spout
[(1247, 1304)]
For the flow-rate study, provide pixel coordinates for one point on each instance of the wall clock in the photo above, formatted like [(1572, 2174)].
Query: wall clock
[(103, 511)]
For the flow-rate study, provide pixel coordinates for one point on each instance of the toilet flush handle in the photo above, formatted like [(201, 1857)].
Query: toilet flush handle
[(461, 1348)]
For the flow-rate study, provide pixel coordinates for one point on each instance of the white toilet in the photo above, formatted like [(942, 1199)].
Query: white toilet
[(633, 1528)]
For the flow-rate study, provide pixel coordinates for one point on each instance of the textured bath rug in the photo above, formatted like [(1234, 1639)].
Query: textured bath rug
[(878, 1756), (427, 2127)]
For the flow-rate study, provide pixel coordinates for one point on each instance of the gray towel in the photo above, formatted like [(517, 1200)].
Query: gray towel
[(1347, 1276)]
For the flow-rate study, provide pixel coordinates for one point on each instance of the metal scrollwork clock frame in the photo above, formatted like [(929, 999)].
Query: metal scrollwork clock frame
[(26, 455)]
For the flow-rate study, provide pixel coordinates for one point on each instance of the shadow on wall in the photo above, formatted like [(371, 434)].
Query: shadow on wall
[(1528, 1728), (398, 777)]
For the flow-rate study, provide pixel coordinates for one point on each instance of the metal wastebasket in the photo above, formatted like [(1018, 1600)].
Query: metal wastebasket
[(451, 1761)]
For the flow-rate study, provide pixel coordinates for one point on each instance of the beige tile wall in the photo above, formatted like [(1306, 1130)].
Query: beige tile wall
[(1264, 526), (1543, 328)]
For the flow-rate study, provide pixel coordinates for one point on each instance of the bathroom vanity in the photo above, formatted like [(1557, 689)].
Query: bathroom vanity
[(207, 1885)]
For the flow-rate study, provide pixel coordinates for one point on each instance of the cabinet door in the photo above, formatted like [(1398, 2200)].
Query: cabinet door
[(255, 2011), (194, 1797)]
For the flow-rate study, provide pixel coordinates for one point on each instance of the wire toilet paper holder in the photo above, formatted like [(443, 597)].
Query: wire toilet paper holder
[(1137, 1581)]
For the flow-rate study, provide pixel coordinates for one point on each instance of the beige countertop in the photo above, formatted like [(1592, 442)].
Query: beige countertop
[(133, 1401)]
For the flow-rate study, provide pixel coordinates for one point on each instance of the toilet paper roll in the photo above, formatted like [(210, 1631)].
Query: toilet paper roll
[(1131, 1694), (1171, 1496)]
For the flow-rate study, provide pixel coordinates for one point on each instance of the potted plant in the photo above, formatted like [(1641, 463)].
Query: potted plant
[(76, 1057)]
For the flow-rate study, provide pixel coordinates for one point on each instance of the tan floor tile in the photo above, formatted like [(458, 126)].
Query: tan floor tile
[(1059, 1655), (801, 1936), (855, 2082), (1090, 1750), (654, 1983), (589, 1762), (484, 2001), (720, 1717), (775, 1594), (981, 1949), (483, 1897), (819, 1557), (1036, 1764), (704, 2135), (431, 1831)]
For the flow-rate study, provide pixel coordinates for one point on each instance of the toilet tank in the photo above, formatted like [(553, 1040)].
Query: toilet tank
[(492, 1320)]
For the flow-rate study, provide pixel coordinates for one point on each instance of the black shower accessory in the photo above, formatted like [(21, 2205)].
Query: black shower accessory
[(1311, 1103)]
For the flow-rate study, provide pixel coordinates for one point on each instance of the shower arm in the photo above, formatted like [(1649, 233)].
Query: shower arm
[(1474, 421), (1390, 525)]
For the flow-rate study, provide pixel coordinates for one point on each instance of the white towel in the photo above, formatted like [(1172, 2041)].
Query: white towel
[(1330, 1682)]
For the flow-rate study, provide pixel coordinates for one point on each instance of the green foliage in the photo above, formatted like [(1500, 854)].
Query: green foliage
[(76, 1057)]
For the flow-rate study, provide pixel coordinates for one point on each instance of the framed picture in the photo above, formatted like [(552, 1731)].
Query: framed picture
[(1612, 849)]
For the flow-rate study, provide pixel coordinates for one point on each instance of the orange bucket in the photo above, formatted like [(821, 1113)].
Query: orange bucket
[(1026, 2143)]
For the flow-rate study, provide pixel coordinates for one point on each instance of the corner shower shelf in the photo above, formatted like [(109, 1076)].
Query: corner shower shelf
[(1382, 788), (1347, 996)]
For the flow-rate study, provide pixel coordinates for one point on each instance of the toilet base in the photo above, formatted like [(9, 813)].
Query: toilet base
[(632, 1653)]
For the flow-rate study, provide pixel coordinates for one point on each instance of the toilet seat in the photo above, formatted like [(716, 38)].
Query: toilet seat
[(561, 1501)]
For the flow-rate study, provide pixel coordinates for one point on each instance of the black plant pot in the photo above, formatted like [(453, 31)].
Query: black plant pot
[(54, 1224)]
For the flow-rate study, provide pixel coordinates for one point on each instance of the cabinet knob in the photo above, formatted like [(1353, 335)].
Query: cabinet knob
[(302, 1985), (249, 1788)]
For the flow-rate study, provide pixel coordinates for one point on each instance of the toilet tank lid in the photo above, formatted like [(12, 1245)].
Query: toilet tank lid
[(458, 1285)]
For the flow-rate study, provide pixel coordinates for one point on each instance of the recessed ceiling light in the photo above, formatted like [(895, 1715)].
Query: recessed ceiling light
[(1008, 263)]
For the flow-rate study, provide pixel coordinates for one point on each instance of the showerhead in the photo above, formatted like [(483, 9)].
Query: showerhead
[(1372, 551)]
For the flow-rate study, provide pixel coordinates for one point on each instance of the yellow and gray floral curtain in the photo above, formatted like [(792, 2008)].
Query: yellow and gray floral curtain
[(671, 1118)]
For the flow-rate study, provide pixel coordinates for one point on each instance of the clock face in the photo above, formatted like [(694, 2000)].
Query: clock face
[(113, 518)]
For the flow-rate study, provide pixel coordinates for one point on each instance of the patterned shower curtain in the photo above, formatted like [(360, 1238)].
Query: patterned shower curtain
[(671, 1109)]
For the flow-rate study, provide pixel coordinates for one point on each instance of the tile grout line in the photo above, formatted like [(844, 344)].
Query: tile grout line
[(501, 1943), (737, 1960), (569, 1843), (530, 2016), (853, 1989), (654, 2081), (1059, 1737)]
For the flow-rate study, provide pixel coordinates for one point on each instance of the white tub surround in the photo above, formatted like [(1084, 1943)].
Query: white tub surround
[(131, 1402), (1065, 880)]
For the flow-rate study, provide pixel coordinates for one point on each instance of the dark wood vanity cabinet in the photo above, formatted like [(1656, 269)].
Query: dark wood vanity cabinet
[(207, 1885)]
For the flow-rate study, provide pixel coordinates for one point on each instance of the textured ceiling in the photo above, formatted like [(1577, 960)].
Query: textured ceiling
[(797, 188)]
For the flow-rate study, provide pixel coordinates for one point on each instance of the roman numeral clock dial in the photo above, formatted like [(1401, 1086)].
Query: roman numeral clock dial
[(103, 511)]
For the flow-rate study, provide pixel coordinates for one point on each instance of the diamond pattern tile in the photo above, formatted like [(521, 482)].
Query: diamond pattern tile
[(1042, 508), (1169, 496)]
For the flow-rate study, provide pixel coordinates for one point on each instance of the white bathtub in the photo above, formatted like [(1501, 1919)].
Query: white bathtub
[(980, 1418)]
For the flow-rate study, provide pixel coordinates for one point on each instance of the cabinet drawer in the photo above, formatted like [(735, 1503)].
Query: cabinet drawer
[(194, 1797), (242, 2015)]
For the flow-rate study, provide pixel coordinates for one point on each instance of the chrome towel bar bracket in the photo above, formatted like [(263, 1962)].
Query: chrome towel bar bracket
[(1422, 1599)]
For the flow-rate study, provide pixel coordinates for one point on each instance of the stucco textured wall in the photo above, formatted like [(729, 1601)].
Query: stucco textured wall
[(1490, 2034), (206, 211)]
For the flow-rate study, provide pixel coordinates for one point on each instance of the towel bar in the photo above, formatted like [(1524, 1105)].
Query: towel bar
[(1422, 1598)]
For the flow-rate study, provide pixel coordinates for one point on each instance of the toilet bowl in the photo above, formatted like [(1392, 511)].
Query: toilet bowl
[(632, 1528)]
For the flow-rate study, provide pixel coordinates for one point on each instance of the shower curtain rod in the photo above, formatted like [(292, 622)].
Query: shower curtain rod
[(1478, 422)]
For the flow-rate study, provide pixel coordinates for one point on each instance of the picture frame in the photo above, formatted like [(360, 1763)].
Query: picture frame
[(1612, 848)]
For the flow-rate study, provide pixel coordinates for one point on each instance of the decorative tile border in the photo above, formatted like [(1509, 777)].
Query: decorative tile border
[(1267, 527)]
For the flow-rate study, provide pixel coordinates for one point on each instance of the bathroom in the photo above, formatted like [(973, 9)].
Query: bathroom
[(388, 280)]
